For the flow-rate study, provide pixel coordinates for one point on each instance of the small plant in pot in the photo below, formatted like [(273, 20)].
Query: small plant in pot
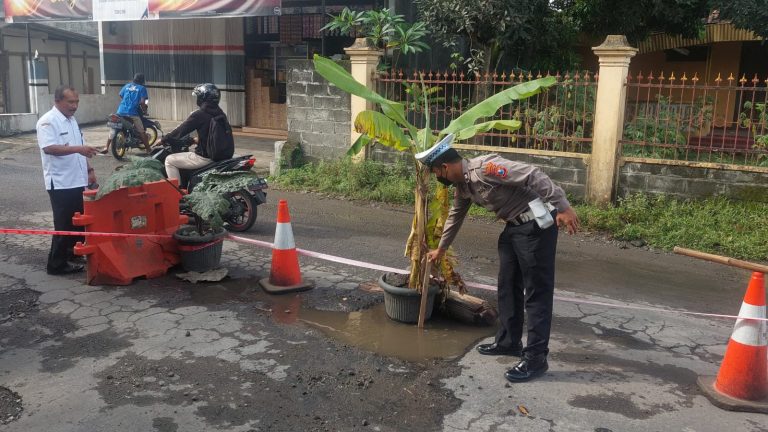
[(200, 243)]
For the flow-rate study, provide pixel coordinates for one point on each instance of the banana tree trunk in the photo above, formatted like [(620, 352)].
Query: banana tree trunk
[(417, 241)]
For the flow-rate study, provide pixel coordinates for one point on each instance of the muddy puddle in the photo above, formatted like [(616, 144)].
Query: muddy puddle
[(369, 329)]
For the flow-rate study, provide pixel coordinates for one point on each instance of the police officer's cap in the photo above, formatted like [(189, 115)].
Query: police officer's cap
[(441, 148)]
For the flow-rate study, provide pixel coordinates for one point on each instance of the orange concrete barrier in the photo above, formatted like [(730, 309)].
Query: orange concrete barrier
[(152, 208)]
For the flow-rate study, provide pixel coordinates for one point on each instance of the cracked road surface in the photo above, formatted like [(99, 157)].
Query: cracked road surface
[(165, 355)]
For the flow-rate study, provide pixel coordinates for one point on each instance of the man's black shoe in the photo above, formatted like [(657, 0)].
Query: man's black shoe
[(527, 369), (495, 349), (67, 269), (77, 259)]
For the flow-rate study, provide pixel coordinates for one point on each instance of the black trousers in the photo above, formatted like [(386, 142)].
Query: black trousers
[(526, 283), (64, 203)]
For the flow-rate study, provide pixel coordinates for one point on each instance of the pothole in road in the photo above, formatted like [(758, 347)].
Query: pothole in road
[(372, 330), (369, 329), (17, 304), (10, 406)]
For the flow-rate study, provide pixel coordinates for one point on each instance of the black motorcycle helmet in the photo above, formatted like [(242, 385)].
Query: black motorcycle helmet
[(206, 93)]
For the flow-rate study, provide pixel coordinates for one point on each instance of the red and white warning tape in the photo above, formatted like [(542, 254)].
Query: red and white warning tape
[(78, 233), (377, 267)]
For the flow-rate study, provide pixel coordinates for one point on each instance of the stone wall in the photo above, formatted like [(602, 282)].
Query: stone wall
[(93, 109), (318, 112), (568, 173), (692, 182), (12, 124)]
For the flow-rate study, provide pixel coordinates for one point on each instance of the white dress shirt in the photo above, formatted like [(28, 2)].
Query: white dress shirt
[(63, 172)]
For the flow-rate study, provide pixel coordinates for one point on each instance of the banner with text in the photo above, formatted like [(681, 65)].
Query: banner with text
[(120, 10), (203, 8), (129, 10)]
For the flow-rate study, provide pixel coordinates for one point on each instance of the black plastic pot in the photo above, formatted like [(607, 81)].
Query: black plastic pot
[(402, 304), (199, 253)]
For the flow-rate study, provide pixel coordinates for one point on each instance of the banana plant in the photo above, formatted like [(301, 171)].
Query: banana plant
[(390, 128)]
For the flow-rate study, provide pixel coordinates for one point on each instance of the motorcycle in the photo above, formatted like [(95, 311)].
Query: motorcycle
[(124, 135), (242, 204)]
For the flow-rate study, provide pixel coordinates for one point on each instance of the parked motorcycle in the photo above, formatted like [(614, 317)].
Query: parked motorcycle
[(242, 209), (125, 136)]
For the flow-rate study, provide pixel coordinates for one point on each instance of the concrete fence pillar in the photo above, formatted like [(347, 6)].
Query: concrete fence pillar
[(614, 55), (363, 58)]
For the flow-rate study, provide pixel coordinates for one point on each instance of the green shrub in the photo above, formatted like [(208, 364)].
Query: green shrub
[(367, 180), (716, 225)]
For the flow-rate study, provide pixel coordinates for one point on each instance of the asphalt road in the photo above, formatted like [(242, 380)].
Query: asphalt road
[(164, 355)]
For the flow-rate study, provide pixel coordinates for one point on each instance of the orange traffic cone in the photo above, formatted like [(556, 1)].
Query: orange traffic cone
[(742, 382), (284, 275)]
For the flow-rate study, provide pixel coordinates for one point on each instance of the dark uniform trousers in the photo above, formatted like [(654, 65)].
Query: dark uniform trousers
[(64, 203), (526, 283)]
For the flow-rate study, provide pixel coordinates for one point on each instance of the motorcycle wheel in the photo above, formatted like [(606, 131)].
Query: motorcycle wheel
[(245, 220), (151, 135), (118, 146)]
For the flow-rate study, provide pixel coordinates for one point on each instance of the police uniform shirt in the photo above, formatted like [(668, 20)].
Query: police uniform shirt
[(502, 186), (62, 172)]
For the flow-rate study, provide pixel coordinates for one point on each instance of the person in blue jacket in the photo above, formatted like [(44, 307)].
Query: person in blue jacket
[(133, 103)]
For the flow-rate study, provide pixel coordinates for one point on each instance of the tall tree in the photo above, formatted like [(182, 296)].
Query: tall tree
[(481, 24), (746, 14), (637, 18), (512, 33)]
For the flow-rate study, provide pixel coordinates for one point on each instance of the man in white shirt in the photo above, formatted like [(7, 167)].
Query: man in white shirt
[(66, 171)]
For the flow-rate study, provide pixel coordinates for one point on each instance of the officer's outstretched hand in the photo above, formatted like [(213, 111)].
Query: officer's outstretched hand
[(569, 220), (435, 255)]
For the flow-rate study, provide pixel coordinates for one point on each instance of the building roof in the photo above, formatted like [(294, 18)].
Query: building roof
[(714, 32)]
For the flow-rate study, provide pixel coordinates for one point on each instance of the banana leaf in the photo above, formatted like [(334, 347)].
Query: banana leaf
[(381, 128), (358, 145), (507, 125), (342, 79), (488, 107), (425, 139)]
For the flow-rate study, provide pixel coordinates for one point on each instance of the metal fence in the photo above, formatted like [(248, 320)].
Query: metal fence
[(684, 119), (559, 119)]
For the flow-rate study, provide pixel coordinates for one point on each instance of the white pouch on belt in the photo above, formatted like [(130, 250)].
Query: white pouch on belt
[(541, 213)]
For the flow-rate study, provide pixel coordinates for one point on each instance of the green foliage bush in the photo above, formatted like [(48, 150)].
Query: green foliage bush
[(715, 225), (135, 173), (368, 180)]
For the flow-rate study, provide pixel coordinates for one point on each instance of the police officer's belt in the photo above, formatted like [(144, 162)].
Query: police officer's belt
[(527, 216)]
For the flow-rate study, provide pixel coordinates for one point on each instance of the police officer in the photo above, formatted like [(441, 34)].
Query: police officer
[(528, 200)]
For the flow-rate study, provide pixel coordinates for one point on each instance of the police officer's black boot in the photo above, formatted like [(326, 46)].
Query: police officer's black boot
[(529, 367), (496, 349)]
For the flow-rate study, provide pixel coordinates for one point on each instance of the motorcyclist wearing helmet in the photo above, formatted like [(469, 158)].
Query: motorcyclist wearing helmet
[(207, 97)]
